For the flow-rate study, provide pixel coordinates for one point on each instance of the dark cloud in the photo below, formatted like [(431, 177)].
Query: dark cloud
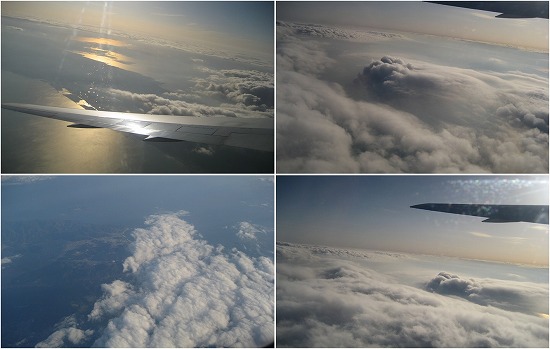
[(401, 115), (328, 297), (253, 89), (455, 95), (231, 93)]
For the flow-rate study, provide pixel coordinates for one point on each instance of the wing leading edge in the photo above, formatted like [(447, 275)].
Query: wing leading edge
[(251, 133), (494, 213)]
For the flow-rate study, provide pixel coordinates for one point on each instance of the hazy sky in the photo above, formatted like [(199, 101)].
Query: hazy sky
[(226, 24), (373, 212), (421, 17)]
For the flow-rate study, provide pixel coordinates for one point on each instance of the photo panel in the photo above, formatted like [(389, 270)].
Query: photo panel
[(412, 261), (137, 87), (412, 87), (137, 261)]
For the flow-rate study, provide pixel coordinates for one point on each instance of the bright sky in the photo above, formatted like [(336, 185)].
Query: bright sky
[(372, 212), (421, 17), (248, 24)]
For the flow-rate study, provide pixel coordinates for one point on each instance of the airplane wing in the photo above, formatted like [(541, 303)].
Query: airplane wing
[(507, 9), (248, 133), (494, 213)]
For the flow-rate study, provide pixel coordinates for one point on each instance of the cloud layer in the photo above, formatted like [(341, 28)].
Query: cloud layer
[(180, 292), (231, 93), (328, 298), (402, 115)]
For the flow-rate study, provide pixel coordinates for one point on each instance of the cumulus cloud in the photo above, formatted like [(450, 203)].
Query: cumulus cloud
[(185, 292), (67, 335), (402, 115), (508, 295), (248, 231), (467, 95), (230, 93), (251, 88), (328, 298)]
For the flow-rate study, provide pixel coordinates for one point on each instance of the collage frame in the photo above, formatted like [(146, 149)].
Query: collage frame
[(407, 193)]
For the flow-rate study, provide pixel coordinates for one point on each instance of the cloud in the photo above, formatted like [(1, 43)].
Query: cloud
[(504, 294), (14, 28), (248, 231), (327, 298), (186, 293), (230, 93), (251, 88), (18, 180), (8, 260), (204, 150), (267, 179), (511, 239), (513, 98), (328, 32), (67, 335), (480, 235), (401, 115)]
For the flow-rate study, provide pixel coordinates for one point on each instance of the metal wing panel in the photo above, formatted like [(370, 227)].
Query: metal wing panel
[(493, 213), (249, 133)]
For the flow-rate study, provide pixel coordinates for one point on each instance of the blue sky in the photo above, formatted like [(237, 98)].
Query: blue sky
[(373, 212)]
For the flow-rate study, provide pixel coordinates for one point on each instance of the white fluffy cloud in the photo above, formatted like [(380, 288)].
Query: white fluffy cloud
[(400, 115), (248, 231), (186, 293), (67, 335), (180, 292), (339, 298)]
